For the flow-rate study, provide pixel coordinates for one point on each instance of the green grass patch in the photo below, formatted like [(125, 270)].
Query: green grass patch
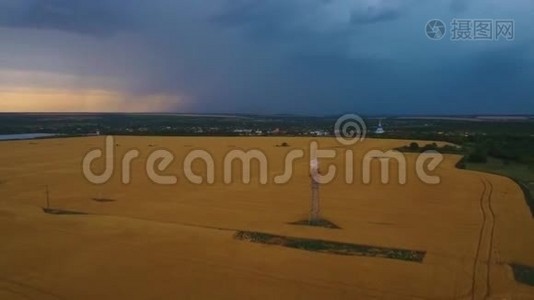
[(103, 199), (523, 274), (414, 147), (317, 223), (55, 211), (330, 247)]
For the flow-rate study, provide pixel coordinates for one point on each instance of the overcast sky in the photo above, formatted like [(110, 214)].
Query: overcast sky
[(262, 56)]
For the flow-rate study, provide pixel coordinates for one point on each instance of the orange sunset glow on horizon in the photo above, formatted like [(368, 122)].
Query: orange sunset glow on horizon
[(57, 100)]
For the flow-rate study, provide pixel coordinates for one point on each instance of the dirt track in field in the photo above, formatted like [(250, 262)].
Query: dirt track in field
[(483, 257)]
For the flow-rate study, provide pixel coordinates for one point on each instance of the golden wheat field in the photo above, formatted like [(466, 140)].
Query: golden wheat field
[(149, 241)]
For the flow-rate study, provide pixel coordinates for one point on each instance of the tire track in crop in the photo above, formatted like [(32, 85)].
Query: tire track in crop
[(481, 282)]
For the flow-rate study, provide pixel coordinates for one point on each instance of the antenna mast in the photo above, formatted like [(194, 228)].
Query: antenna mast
[(315, 209), (47, 198)]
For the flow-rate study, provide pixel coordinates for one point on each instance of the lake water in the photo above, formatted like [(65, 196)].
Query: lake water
[(25, 136)]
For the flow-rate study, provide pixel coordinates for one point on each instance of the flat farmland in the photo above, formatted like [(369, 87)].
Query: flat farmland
[(146, 240)]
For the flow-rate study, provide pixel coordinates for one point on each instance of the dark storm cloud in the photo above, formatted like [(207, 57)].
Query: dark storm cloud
[(375, 14), (260, 13), (99, 17), (271, 56), (280, 15), (496, 79), (275, 21), (459, 5)]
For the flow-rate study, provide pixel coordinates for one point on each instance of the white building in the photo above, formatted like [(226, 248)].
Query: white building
[(379, 129)]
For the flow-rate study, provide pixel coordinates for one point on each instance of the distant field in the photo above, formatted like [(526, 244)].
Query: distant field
[(454, 240)]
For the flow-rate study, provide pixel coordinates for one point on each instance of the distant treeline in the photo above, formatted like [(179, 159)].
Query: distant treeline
[(446, 149), (506, 140), (509, 148), (477, 147)]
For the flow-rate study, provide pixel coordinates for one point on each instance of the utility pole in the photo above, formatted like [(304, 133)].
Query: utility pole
[(47, 198)]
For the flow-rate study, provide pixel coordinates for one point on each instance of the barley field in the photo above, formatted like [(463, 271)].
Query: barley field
[(179, 241)]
